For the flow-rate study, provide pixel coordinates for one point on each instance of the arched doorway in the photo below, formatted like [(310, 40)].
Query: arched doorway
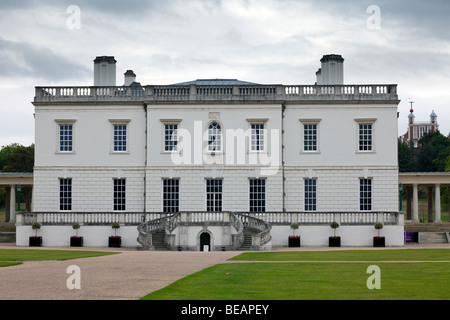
[(205, 240)]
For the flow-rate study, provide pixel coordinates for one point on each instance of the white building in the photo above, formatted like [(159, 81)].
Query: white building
[(214, 162)]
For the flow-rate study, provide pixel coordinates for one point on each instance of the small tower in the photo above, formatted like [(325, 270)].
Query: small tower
[(433, 118)]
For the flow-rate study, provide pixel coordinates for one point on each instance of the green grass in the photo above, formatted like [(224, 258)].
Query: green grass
[(16, 256), (317, 280), (7, 264), (349, 255)]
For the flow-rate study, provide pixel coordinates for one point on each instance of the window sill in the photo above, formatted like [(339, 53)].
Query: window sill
[(65, 152), (120, 152)]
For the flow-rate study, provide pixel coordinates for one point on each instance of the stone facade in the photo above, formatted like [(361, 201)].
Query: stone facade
[(350, 131)]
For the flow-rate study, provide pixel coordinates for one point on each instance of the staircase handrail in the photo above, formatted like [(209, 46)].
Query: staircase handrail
[(148, 227), (263, 236), (171, 224), (238, 238)]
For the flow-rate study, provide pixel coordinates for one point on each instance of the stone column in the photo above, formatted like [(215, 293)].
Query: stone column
[(12, 204), (7, 203), (28, 193), (408, 203), (415, 217), (430, 204), (437, 200)]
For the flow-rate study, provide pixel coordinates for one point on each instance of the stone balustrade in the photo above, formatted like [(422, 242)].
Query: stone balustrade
[(325, 218), (198, 93), (274, 218)]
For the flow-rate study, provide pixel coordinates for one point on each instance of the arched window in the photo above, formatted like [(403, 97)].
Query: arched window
[(214, 137)]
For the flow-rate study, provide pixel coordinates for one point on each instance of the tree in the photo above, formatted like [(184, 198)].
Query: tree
[(440, 162), (433, 153), (17, 158), (425, 159), (405, 158)]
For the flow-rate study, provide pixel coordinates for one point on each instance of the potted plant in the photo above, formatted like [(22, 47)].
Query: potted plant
[(294, 241), (35, 241), (377, 240), (115, 240), (76, 241), (334, 241)]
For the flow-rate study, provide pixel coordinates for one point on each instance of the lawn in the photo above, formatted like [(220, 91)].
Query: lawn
[(305, 280), (9, 257), (349, 255)]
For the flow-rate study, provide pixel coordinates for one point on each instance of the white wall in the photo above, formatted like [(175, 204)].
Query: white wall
[(338, 165), (311, 236), (231, 117), (351, 236), (92, 188), (338, 135), (93, 236), (92, 136)]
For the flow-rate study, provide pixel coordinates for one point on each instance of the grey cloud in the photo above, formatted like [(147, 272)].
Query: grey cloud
[(25, 60)]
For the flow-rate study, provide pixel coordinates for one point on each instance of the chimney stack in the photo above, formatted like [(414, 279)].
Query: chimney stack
[(332, 71), (130, 77), (105, 71)]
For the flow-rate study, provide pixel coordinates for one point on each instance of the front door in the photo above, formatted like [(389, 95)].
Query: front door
[(205, 240)]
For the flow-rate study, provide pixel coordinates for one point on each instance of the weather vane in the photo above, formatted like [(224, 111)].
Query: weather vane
[(411, 102)]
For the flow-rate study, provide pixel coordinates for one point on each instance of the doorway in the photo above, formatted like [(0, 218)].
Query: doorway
[(205, 240)]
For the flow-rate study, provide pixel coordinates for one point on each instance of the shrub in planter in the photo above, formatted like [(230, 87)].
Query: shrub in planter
[(35, 241), (115, 240), (76, 241), (378, 241), (334, 241), (294, 241)]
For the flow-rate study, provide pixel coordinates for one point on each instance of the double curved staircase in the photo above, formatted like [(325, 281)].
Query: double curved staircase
[(249, 233)]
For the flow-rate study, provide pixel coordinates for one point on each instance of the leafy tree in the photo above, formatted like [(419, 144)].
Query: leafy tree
[(425, 159), (405, 158), (17, 158), (433, 153), (441, 160)]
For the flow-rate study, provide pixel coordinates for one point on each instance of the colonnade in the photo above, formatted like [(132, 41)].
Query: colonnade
[(16, 185), (432, 181)]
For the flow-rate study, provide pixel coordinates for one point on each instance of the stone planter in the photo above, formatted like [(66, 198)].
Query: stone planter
[(76, 241), (334, 241), (294, 242), (378, 241), (114, 242), (35, 241)]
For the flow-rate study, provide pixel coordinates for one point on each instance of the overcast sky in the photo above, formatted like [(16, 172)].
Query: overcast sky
[(263, 41)]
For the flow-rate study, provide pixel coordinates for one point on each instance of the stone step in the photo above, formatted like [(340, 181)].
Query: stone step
[(427, 227), (158, 240), (246, 245), (433, 237), (7, 227), (7, 237)]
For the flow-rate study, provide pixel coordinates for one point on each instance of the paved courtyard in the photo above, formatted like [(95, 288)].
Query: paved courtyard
[(125, 276)]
